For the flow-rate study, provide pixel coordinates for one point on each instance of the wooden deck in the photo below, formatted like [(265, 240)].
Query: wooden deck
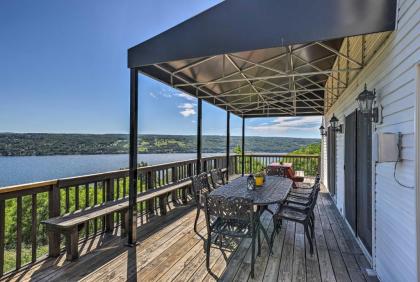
[(169, 250)]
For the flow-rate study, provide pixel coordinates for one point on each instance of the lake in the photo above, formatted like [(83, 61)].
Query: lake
[(19, 170)]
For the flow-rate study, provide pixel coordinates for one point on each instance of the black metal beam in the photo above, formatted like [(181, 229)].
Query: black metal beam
[(301, 22), (199, 134), (243, 146), (132, 207), (227, 144)]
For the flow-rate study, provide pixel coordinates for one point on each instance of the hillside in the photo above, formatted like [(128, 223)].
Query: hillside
[(37, 144)]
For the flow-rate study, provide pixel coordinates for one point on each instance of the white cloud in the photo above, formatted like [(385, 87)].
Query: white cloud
[(184, 96), (284, 124), (188, 109)]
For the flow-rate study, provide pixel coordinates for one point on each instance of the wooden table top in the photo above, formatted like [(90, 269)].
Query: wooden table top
[(274, 190)]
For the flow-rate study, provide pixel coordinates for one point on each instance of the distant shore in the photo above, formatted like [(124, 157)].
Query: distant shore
[(45, 144)]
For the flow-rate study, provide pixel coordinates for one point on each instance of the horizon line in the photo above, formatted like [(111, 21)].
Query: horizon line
[(75, 133)]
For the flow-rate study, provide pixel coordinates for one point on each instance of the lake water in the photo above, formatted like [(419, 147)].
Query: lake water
[(18, 170)]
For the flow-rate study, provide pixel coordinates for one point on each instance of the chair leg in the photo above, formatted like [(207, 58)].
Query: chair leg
[(252, 255), (259, 242), (196, 220), (269, 242), (208, 252), (309, 239), (274, 232), (313, 228)]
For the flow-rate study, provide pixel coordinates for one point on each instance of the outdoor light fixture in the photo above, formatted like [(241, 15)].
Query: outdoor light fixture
[(366, 101), (334, 124), (322, 130)]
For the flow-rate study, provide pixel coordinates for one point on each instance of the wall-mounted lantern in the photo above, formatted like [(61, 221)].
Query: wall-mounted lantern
[(322, 130), (334, 124), (367, 107)]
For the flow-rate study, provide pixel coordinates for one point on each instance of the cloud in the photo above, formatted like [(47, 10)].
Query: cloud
[(188, 109), (184, 96), (284, 124)]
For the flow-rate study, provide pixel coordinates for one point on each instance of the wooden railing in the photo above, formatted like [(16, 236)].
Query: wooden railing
[(257, 162), (23, 240)]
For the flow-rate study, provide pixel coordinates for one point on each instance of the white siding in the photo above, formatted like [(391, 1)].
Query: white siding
[(392, 72)]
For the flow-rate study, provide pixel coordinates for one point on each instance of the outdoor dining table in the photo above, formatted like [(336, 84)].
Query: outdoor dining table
[(274, 190)]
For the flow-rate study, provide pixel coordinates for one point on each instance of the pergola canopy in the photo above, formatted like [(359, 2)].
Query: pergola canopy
[(261, 58)]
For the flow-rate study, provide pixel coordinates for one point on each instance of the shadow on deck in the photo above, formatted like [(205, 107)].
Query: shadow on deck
[(169, 250)]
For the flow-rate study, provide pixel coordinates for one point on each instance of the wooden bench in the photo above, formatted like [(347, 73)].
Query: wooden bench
[(70, 224)]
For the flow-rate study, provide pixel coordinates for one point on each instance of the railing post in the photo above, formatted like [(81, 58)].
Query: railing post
[(54, 211), (2, 227), (150, 205), (109, 219)]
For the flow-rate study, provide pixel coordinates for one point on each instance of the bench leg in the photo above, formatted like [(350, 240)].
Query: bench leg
[(72, 244), (184, 196), (109, 223), (162, 204), (124, 223), (53, 243)]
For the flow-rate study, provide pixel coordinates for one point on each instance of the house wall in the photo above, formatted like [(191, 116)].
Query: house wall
[(392, 72)]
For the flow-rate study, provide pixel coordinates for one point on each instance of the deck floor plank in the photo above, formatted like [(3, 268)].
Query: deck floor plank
[(169, 250)]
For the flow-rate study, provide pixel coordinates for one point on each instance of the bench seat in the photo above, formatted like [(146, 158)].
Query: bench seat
[(69, 224)]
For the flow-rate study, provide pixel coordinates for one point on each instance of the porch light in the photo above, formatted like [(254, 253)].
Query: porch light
[(366, 100), (322, 130), (334, 124)]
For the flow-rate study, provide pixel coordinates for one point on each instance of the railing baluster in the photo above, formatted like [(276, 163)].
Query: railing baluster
[(67, 199), (118, 188), (95, 202), (125, 186), (18, 232), (34, 227), (87, 204), (76, 197)]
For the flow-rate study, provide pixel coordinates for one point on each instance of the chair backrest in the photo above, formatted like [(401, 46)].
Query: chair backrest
[(229, 208), (275, 171), (317, 179), (217, 178), (314, 196), (201, 186)]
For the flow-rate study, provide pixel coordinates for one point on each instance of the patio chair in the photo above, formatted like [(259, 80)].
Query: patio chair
[(302, 197), (235, 217), (275, 171), (201, 186), (217, 178), (305, 190), (303, 215)]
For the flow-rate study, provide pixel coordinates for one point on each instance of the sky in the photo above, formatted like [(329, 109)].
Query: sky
[(63, 69)]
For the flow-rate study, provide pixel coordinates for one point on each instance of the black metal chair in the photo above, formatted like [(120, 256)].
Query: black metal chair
[(217, 178), (299, 213), (305, 190), (275, 171), (201, 186), (234, 217)]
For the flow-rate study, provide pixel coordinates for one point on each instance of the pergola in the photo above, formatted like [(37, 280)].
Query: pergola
[(264, 58)]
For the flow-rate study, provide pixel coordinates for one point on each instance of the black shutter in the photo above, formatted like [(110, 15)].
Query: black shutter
[(331, 160), (350, 169), (364, 180)]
